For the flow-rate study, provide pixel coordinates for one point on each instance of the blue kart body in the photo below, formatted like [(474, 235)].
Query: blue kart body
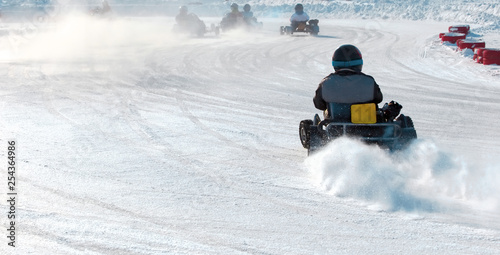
[(393, 134)]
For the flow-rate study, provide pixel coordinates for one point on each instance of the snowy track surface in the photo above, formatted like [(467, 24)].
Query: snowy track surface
[(137, 141)]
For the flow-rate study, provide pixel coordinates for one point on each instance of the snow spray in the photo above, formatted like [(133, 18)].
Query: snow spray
[(421, 178)]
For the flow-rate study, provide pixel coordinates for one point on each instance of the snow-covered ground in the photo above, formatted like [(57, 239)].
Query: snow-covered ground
[(134, 140)]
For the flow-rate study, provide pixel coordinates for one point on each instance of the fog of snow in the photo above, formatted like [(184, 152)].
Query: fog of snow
[(132, 139)]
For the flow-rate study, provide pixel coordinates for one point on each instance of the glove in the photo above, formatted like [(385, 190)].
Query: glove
[(391, 110)]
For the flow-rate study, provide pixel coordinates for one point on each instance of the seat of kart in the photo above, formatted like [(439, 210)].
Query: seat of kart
[(301, 26), (341, 95), (339, 112)]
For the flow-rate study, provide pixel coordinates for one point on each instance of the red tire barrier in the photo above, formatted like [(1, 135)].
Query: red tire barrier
[(476, 54), (491, 54), (469, 44), (441, 35), (464, 29), (452, 37), (491, 61), (479, 52)]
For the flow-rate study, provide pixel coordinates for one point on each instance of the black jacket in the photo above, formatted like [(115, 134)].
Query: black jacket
[(347, 86)]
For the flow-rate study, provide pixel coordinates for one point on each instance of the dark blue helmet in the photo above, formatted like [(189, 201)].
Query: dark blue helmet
[(299, 8), (347, 56), (234, 6), (183, 9), (247, 7)]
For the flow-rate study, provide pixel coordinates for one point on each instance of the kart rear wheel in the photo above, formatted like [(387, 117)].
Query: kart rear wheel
[(315, 141), (408, 133), (315, 30), (406, 121), (305, 133)]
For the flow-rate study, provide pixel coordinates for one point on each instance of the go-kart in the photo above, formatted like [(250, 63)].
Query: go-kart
[(310, 27), (99, 11), (197, 28), (228, 24), (253, 24), (362, 121)]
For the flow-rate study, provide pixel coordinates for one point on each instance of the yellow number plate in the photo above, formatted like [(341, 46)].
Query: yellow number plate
[(363, 113)]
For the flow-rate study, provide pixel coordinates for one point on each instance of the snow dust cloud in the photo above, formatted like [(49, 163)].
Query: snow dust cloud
[(421, 178), (81, 37)]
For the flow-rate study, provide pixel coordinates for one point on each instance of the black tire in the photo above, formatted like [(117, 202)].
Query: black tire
[(408, 129), (406, 121), (315, 141), (408, 133), (305, 133), (315, 30)]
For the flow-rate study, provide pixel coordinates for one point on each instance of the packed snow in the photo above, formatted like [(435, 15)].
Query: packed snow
[(131, 139)]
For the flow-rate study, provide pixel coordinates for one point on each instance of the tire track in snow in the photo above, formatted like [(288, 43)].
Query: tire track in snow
[(234, 184), (220, 179), (143, 130), (456, 84), (147, 131), (172, 229)]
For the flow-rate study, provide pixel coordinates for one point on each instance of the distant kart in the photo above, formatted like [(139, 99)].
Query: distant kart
[(309, 27), (361, 121), (214, 29), (197, 28), (100, 11), (97, 11), (228, 24), (253, 24)]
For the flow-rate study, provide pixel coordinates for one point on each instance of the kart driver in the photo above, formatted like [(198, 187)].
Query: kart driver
[(105, 6), (183, 18), (189, 21), (247, 14), (104, 10), (298, 16), (347, 84), (233, 16)]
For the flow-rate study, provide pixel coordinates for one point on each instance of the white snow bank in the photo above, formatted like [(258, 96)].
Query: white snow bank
[(475, 12), (479, 11), (422, 178)]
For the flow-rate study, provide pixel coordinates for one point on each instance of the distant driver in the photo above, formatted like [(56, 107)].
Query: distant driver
[(298, 17)]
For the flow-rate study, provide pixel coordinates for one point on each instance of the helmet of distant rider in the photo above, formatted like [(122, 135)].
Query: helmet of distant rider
[(247, 7), (234, 7), (347, 56), (183, 9), (299, 8)]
